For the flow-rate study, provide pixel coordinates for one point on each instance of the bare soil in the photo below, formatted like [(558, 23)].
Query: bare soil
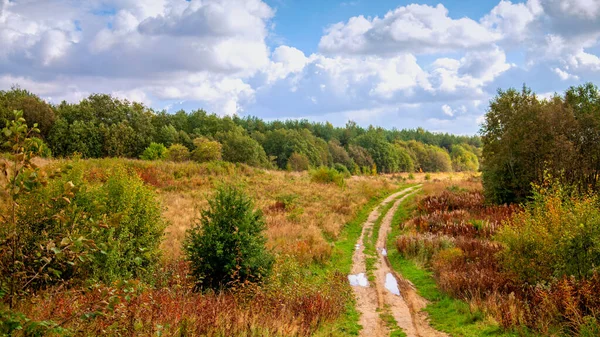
[(407, 309)]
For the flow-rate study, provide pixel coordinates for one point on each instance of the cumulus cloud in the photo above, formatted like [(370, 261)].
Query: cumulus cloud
[(200, 47), (412, 28)]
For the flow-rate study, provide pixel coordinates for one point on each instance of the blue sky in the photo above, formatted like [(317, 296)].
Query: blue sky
[(403, 64)]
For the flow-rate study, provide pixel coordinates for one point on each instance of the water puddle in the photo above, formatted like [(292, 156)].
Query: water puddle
[(391, 284), (383, 252), (357, 246), (359, 280)]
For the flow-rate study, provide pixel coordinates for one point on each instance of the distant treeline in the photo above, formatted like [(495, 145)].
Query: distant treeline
[(105, 126)]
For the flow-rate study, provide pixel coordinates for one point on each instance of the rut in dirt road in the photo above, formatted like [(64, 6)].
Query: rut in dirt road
[(387, 292)]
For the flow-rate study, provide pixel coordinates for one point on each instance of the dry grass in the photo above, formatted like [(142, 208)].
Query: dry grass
[(316, 215)]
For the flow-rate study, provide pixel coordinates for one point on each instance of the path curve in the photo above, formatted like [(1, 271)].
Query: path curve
[(406, 308)]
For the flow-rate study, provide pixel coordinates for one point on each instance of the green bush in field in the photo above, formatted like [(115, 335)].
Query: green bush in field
[(326, 175), (342, 169), (129, 247), (557, 234), (206, 150), (227, 245), (178, 153), (154, 152), (121, 216)]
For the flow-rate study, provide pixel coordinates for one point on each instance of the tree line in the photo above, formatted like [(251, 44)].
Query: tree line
[(527, 139), (104, 126)]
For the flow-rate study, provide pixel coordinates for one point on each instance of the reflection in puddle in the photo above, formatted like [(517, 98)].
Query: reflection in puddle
[(358, 280), (357, 246), (383, 252), (391, 284)]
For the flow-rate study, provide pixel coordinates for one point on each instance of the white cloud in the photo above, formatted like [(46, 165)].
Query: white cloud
[(413, 29), (563, 74), (447, 110), (512, 21)]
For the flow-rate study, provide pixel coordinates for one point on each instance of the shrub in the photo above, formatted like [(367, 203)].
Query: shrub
[(121, 216), (129, 247), (227, 246), (342, 169), (178, 153), (154, 152), (29, 255), (557, 234), (206, 150), (327, 175)]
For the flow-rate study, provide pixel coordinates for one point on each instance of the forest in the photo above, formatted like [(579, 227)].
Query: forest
[(120, 220), (102, 126)]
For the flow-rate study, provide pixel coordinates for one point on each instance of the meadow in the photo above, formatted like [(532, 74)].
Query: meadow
[(304, 219)]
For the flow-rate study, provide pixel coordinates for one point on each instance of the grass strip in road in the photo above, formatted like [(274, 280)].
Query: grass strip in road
[(447, 314)]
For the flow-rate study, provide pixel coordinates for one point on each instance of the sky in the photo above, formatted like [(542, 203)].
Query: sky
[(402, 64)]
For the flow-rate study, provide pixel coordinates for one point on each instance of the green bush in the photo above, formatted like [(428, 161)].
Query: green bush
[(326, 175), (557, 234), (178, 153), (129, 247), (342, 169), (154, 152), (206, 150), (121, 216), (227, 245)]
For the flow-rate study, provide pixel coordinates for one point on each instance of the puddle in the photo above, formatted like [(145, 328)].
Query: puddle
[(383, 252), (359, 280), (391, 284), (357, 246)]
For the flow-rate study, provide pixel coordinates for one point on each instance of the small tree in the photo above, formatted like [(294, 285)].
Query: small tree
[(298, 162), (154, 152), (206, 150), (178, 152), (227, 246)]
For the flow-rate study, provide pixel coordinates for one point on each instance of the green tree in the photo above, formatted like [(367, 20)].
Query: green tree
[(463, 159), (35, 110), (227, 245), (206, 150), (339, 154), (178, 153), (154, 152), (384, 154), (281, 143), (241, 148), (298, 162)]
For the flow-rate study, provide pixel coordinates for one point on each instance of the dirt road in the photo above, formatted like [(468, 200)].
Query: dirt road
[(386, 293)]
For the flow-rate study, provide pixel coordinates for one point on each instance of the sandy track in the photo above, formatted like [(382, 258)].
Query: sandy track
[(374, 299)]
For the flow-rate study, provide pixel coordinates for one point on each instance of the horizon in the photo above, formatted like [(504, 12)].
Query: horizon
[(390, 64)]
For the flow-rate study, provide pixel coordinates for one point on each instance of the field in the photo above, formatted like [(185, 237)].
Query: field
[(304, 221), (445, 251)]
